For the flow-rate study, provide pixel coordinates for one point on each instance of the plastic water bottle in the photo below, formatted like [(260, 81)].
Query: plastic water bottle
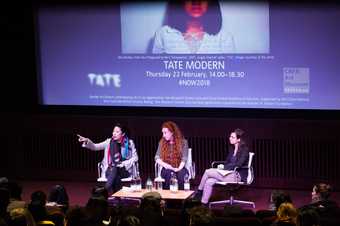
[(138, 183), (148, 184), (158, 183), (133, 184), (186, 183), (173, 183)]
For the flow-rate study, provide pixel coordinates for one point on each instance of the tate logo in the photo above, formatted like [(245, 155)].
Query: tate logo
[(105, 80)]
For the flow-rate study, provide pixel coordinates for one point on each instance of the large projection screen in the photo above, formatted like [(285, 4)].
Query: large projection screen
[(134, 54)]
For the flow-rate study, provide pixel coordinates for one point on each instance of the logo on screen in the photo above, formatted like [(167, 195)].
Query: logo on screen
[(105, 80), (296, 80)]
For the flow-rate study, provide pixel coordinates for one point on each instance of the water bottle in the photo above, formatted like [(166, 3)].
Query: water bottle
[(173, 183), (186, 183), (133, 184), (158, 183), (148, 184), (138, 183)]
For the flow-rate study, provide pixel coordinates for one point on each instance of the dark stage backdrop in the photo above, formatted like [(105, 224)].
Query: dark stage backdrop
[(289, 153)]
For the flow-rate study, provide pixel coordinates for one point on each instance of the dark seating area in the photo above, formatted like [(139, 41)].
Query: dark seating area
[(97, 209), (176, 217)]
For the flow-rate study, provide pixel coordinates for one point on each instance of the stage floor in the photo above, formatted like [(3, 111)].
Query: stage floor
[(79, 192)]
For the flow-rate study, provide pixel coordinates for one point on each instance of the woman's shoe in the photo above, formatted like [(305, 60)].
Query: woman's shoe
[(197, 195), (206, 205)]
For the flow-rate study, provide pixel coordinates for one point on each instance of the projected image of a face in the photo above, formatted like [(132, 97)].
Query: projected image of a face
[(196, 8), (220, 27)]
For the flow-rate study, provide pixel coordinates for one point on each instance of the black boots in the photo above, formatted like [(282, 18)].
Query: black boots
[(197, 195)]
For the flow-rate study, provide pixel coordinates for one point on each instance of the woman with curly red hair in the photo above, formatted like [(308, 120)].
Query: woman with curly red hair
[(172, 154)]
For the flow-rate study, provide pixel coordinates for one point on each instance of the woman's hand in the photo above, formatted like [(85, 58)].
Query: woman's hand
[(120, 165), (164, 164), (179, 168), (82, 139), (176, 170), (168, 166)]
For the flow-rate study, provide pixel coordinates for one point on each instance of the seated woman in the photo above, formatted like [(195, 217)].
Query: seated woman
[(120, 155), (238, 157), (321, 201), (172, 154)]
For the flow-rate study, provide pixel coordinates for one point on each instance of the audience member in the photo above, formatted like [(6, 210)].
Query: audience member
[(308, 217), (97, 209), (37, 206), (129, 221), (58, 197), (100, 191), (237, 211), (151, 210), (15, 196), (321, 201), (3, 182), (187, 206), (277, 197), (200, 216), (78, 216), (21, 217), (3, 222), (286, 215), (4, 201)]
